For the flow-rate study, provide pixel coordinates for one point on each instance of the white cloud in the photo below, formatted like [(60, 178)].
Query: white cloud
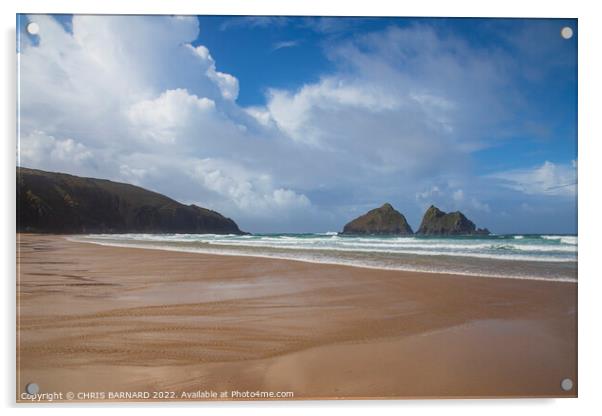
[(311, 114), (254, 21), (428, 194), (163, 118), (134, 175), (479, 206), (227, 83), (68, 149), (548, 179), (447, 197), (458, 195), (249, 191), (38, 148), (285, 44), (261, 115)]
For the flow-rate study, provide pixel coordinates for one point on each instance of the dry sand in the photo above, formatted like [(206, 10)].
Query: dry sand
[(104, 319)]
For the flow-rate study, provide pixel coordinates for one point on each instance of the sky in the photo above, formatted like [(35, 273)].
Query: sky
[(300, 124)]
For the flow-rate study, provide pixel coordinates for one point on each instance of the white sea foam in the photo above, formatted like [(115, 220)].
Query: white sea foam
[(562, 238), (477, 247), (425, 249), (305, 257)]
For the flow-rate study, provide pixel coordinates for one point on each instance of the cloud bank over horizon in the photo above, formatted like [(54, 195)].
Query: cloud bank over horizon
[(408, 114)]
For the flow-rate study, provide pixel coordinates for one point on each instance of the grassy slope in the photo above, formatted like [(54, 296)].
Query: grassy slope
[(58, 202)]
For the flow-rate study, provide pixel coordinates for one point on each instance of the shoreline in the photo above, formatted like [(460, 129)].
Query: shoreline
[(99, 318), (73, 238)]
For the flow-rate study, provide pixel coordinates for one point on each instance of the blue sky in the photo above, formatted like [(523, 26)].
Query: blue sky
[(300, 124)]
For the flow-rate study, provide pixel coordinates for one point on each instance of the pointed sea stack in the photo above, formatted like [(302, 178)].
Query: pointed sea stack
[(384, 221), (437, 222)]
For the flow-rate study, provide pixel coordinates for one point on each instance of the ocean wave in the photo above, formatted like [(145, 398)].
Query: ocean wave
[(451, 250), (562, 238), (392, 247), (533, 246), (364, 263), (333, 237)]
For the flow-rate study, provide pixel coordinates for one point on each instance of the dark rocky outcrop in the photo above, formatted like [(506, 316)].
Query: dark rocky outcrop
[(51, 202), (383, 220), (437, 222)]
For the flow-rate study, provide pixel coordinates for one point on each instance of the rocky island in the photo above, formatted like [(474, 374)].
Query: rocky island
[(437, 222), (383, 220), (388, 221), (49, 202)]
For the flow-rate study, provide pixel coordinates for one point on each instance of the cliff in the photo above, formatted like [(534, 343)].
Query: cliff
[(437, 222), (49, 202), (383, 220)]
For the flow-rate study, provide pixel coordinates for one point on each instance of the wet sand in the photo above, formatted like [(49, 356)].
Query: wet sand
[(105, 319)]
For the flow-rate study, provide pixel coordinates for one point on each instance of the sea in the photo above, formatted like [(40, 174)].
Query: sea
[(528, 256)]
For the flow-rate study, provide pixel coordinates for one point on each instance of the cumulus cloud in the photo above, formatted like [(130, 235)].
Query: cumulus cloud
[(249, 191), (162, 118), (310, 115), (38, 148), (227, 83)]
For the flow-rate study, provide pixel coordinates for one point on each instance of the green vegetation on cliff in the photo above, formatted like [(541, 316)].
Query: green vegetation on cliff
[(52, 202), (437, 222), (383, 220)]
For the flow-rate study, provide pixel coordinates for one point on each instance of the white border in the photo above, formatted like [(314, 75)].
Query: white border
[(508, 8), (590, 286)]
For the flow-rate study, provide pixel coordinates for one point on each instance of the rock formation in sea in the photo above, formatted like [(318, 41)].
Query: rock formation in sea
[(437, 222), (383, 220), (49, 202)]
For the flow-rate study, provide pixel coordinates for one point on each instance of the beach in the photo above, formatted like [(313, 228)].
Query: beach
[(95, 318)]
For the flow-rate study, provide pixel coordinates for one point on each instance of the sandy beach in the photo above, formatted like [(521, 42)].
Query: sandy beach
[(93, 318)]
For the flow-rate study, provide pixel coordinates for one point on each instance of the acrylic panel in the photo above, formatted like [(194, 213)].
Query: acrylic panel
[(291, 208)]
